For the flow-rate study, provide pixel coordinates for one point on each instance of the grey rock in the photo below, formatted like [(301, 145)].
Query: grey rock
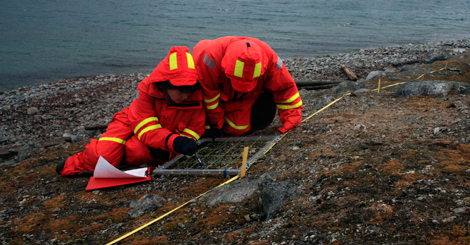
[(28, 150), (32, 110), (449, 219), (437, 57), (347, 86), (314, 199), (235, 192), (460, 210), (361, 90), (147, 203), (414, 119), (275, 194), (460, 106), (431, 87), (375, 74)]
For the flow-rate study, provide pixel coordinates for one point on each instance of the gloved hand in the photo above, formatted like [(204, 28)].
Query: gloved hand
[(216, 132), (185, 145), (287, 126)]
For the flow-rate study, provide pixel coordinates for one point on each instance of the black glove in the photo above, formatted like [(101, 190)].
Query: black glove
[(216, 132), (159, 154), (185, 145)]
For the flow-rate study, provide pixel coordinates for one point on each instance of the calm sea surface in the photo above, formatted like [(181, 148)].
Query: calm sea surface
[(47, 40)]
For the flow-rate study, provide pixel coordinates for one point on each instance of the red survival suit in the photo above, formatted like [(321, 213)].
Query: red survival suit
[(151, 120), (234, 71)]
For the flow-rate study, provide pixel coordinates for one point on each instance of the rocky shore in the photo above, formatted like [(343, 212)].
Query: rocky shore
[(389, 168)]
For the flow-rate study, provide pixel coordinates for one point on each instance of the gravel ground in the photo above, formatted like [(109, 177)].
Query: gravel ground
[(372, 168)]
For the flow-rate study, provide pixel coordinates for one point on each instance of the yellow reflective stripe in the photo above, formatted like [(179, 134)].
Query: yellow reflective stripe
[(297, 95), (192, 133), (257, 72), (239, 69), (120, 141), (212, 100), (208, 127), (212, 107), (235, 126), (190, 60), (144, 122), (173, 62), (286, 107), (145, 130)]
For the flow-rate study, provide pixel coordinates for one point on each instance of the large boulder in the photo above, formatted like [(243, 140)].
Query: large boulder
[(347, 86), (275, 194), (431, 87), (236, 191), (146, 204)]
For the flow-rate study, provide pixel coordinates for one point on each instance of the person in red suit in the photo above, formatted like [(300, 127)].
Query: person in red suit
[(165, 119), (243, 83)]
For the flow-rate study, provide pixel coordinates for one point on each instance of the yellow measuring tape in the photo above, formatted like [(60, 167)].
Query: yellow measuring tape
[(236, 177)]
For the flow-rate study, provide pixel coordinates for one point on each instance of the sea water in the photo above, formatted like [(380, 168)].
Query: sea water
[(43, 41)]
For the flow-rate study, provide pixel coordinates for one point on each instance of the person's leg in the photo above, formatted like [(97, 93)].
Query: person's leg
[(237, 122), (263, 112), (110, 146), (137, 153)]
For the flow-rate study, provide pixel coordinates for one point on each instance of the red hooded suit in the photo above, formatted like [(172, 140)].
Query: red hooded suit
[(234, 71), (150, 121)]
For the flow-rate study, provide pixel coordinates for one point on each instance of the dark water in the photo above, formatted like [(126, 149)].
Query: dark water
[(47, 40)]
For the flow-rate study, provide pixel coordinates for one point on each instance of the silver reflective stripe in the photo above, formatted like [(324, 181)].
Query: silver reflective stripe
[(137, 94), (210, 63), (279, 62)]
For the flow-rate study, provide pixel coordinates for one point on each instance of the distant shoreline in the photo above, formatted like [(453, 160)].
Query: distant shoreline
[(311, 59), (305, 68)]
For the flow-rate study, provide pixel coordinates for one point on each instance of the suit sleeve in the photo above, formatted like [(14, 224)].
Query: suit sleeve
[(146, 123), (211, 90), (286, 95), (196, 125)]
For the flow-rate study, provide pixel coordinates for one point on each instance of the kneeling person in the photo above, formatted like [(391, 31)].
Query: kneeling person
[(166, 118)]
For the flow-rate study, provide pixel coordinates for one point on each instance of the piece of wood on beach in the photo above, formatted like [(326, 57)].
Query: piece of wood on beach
[(9, 151), (349, 73), (13, 150), (316, 85), (96, 127)]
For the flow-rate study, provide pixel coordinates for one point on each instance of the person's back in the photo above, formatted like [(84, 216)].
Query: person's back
[(235, 72)]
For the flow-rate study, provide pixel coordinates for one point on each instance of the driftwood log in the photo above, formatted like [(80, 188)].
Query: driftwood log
[(316, 85), (349, 73), (13, 150)]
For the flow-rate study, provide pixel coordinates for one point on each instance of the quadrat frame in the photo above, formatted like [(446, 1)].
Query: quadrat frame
[(204, 170)]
